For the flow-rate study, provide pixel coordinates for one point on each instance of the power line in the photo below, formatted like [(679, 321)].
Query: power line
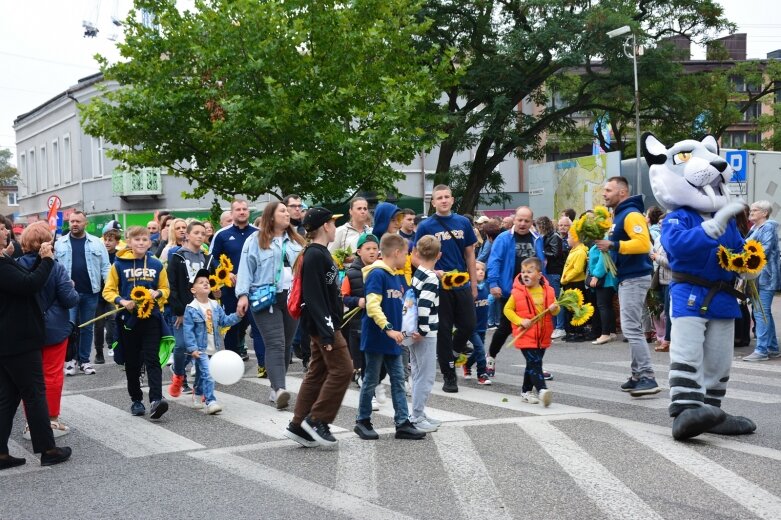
[(49, 61)]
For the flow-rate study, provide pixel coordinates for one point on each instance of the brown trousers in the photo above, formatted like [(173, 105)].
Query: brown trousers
[(326, 381)]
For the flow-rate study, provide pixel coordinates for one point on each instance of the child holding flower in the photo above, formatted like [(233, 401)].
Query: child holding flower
[(138, 282), (532, 295)]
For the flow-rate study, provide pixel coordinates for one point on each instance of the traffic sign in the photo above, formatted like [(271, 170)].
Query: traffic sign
[(738, 159)]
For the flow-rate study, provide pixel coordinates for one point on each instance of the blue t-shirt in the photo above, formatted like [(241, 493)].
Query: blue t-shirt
[(229, 241), (481, 307), (391, 287), (79, 273), (452, 247)]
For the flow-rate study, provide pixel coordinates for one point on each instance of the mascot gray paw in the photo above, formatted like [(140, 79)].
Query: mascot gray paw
[(734, 425), (694, 421)]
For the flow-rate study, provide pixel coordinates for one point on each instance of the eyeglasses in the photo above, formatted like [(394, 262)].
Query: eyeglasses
[(294, 206)]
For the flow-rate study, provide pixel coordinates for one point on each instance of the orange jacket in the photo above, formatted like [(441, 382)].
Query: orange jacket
[(522, 306)]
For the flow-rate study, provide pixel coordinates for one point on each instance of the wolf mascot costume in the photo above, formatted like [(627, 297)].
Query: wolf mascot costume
[(690, 180)]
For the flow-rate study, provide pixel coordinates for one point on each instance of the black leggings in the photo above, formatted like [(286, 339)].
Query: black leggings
[(141, 346), (607, 317), (502, 331), (533, 376), (456, 309)]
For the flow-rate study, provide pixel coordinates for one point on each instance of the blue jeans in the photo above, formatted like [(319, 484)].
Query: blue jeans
[(204, 384), (371, 376), (181, 358), (494, 311), (555, 282), (767, 341), (478, 354), (83, 312)]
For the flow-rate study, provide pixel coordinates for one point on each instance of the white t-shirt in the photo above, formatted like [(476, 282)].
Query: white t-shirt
[(206, 310), (286, 277)]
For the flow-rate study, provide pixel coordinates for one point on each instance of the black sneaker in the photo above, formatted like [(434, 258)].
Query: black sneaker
[(629, 385), (244, 356), (408, 431), (158, 408), (137, 408), (645, 386), (451, 384), (55, 456), (365, 430), (296, 433), (319, 431), (186, 389), (99, 359), (547, 376)]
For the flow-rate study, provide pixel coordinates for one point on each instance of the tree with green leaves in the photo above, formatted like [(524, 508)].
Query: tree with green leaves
[(513, 56), (8, 173), (272, 96)]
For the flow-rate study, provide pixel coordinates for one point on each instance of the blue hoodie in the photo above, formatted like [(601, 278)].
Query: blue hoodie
[(631, 239), (56, 297), (383, 214)]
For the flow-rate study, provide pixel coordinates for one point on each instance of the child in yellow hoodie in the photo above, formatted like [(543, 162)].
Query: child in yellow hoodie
[(573, 277)]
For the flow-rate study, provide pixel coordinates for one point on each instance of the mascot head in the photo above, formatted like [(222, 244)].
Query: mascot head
[(689, 173)]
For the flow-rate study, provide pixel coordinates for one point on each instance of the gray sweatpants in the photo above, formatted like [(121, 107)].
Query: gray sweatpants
[(700, 359), (423, 358), (277, 329), (631, 297)]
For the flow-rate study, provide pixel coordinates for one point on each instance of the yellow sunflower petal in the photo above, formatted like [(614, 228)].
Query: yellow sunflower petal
[(753, 246), (723, 255), (754, 263)]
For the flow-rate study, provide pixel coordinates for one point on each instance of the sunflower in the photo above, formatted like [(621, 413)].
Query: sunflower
[(737, 263), (447, 281), (753, 246), (582, 314), (226, 263), (223, 276), (214, 284), (140, 293), (460, 279), (144, 309), (754, 262), (723, 255), (571, 299)]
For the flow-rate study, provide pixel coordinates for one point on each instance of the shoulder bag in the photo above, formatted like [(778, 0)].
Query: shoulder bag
[(265, 296)]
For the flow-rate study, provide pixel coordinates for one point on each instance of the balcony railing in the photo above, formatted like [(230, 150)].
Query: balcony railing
[(144, 182)]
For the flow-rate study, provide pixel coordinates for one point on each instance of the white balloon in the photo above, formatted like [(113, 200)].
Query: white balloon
[(226, 367)]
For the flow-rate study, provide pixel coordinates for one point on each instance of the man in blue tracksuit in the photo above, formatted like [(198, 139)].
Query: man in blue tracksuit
[(229, 241)]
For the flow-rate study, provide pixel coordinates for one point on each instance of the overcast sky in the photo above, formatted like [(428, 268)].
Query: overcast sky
[(43, 50)]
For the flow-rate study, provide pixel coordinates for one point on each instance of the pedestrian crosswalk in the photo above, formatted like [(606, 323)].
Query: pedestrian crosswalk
[(490, 445)]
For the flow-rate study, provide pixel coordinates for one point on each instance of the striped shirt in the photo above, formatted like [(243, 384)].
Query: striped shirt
[(426, 285)]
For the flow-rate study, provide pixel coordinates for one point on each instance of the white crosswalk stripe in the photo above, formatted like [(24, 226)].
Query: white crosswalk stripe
[(17, 450)]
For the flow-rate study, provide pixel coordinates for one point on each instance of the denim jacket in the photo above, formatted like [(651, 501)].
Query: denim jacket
[(195, 326), (767, 235), (95, 254), (260, 266)]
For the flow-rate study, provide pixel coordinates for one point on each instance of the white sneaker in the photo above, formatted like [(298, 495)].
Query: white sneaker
[(424, 426), (431, 420), (558, 333), (375, 404), (213, 408), (529, 397), (283, 398), (272, 396), (379, 393), (70, 368), (197, 401), (110, 352), (87, 369), (546, 396)]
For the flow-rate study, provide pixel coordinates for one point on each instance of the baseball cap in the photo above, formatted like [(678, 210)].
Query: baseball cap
[(201, 273), (316, 217), (112, 224), (483, 219), (366, 237)]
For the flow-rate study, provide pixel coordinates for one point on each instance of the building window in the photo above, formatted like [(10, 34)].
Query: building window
[(56, 162), (12, 199), (23, 173), (32, 177), (67, 171), (739, 139), (97, 157), (44, 168)]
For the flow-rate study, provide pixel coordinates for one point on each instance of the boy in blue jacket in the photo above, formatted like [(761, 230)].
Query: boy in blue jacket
[(203, 319), (381, 338)]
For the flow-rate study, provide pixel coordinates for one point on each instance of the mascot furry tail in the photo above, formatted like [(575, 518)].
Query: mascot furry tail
[(690, 180)]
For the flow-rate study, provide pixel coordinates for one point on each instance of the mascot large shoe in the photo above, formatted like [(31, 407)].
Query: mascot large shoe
[(690, 180)]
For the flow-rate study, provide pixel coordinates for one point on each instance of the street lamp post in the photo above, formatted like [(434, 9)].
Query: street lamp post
[(631, 39)]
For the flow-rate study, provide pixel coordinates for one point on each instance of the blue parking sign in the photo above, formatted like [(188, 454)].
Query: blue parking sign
[(738, 159)]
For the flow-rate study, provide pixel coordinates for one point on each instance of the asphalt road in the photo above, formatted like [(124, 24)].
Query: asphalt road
[(594, 453)]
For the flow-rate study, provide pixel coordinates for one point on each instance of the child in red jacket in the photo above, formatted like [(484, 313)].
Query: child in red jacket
[(529, 298)]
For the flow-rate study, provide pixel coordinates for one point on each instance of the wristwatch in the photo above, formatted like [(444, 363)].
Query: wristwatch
[(387, 327)]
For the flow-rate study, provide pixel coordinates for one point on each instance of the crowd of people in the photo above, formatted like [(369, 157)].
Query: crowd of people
[(391, 295)]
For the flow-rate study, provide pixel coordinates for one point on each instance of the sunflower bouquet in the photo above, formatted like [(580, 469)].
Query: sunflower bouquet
[(145, 304), (222, 275), (750, 261), (454, 280), (594, 226), (341, 255), (572, 300)]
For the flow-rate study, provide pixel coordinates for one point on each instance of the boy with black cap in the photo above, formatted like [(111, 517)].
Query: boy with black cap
[(203, 319), (330, 368)]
